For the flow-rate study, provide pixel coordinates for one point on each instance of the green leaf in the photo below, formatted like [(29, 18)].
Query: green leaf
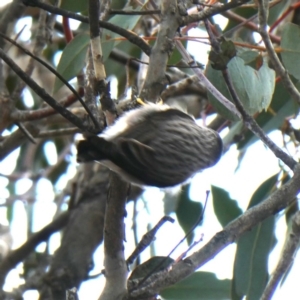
[(109, 38), (276, 11), (282, 106), (263, 191), (253, 248), (176, 56), (188, 212), (254, 87), (226, 209), (248, 56), (74, 5), (245, 13), (113, 67), (251, 261), (72, 59), (198, 286), (291, 49), (10, 211), (290, 211)]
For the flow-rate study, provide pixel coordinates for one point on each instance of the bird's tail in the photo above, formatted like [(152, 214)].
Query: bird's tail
[(93, 148)]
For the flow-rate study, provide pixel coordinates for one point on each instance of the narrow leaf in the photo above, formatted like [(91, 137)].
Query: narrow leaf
[(291, 49), (187, 212), (282, 106), (74, 5), (198, 286), (226, 209), (109, 38), (253, 249), (72, 59)]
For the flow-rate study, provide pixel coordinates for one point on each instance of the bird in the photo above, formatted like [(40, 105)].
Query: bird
[(154, 145)]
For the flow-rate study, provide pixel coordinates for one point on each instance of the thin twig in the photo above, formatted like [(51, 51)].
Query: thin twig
[(155, 269), (130, 36), (263, 12), (243, 22), (16, 139), (255, 128), (16, 256), (43, 94), (147, 239), (134, 12), (37, 114), (286, 258), (52, 70), (203, 80), (249, 120), (211, 11), (26, 132), (278, 200), (58, 132)]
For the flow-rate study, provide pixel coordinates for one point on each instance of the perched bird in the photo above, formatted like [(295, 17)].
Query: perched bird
[(154, 145)]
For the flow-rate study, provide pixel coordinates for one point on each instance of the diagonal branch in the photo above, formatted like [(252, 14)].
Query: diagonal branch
[(263, 12), (280, 199), (114, 258), (18, 255), (248, 119), (156, 79), (131, 37), (51, 69), (286, 258), (43, 94), (16, 139), (212, 11)]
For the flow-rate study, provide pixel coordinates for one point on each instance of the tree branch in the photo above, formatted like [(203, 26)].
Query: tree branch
[(16, 256), (248, 120), (44, 95), (114, 258), (286, 258), (263, 6), (131, 37), (272, 205), (16, 139), (203, 80), (52, 70), (211, 11), (156, 79)]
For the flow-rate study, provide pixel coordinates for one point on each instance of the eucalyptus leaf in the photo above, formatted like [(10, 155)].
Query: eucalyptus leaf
[(188, 212), (281, 107), (74, 5), (226, 209), (111, 39), (199, 286), (72, 59), (254, 87), (290, 49), (250, 274)]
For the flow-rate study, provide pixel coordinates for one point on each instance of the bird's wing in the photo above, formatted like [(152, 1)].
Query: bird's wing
[(135, 153), (155, 123)]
